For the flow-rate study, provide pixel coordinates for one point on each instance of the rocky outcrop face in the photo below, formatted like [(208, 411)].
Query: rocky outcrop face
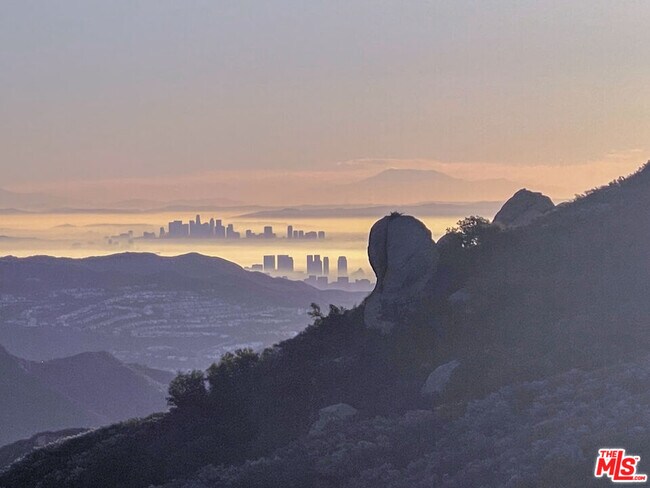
[(404, 258), (522, 208), (337, 412), (438, 379)]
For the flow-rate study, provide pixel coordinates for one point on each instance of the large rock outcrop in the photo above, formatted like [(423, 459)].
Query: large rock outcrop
[(522, 208), (404, 257)]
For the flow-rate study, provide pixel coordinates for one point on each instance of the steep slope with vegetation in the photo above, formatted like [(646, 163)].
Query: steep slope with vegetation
[(512, 307), (569, 290), (16, 450), (505, 439)]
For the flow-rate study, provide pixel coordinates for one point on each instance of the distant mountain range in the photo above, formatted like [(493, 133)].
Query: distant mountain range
[(145, 204), (80, 209), (434, 209), (85, 390), (17, 202), (409, 186), (391, 186)]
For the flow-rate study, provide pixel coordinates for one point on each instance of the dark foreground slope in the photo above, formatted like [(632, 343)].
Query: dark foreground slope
[(549, 323), (568, 290), (16, 450), (505, 439)]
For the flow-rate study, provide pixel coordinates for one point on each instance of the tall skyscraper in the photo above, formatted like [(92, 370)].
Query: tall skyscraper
[(198, 229), (326, 266), (290, 232), (231, 233), (219, 230), (269, 264), (178, 229), (342, 266), (268, 232), (321, 234), (285, 263), (314, 265)]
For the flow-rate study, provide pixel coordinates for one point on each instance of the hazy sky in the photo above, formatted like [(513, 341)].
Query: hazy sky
[(93, 90)]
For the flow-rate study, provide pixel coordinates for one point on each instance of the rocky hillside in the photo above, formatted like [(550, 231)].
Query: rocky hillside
[(491, 357), (505, 439)]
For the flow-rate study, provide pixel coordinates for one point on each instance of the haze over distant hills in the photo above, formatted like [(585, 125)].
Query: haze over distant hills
[(168, 312), (408, 186), (390, 186), (15, 202), (25, 201), (436, 209)]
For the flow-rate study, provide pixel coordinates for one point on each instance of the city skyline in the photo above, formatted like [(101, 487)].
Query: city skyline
[(316, 272), (214, 228)]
